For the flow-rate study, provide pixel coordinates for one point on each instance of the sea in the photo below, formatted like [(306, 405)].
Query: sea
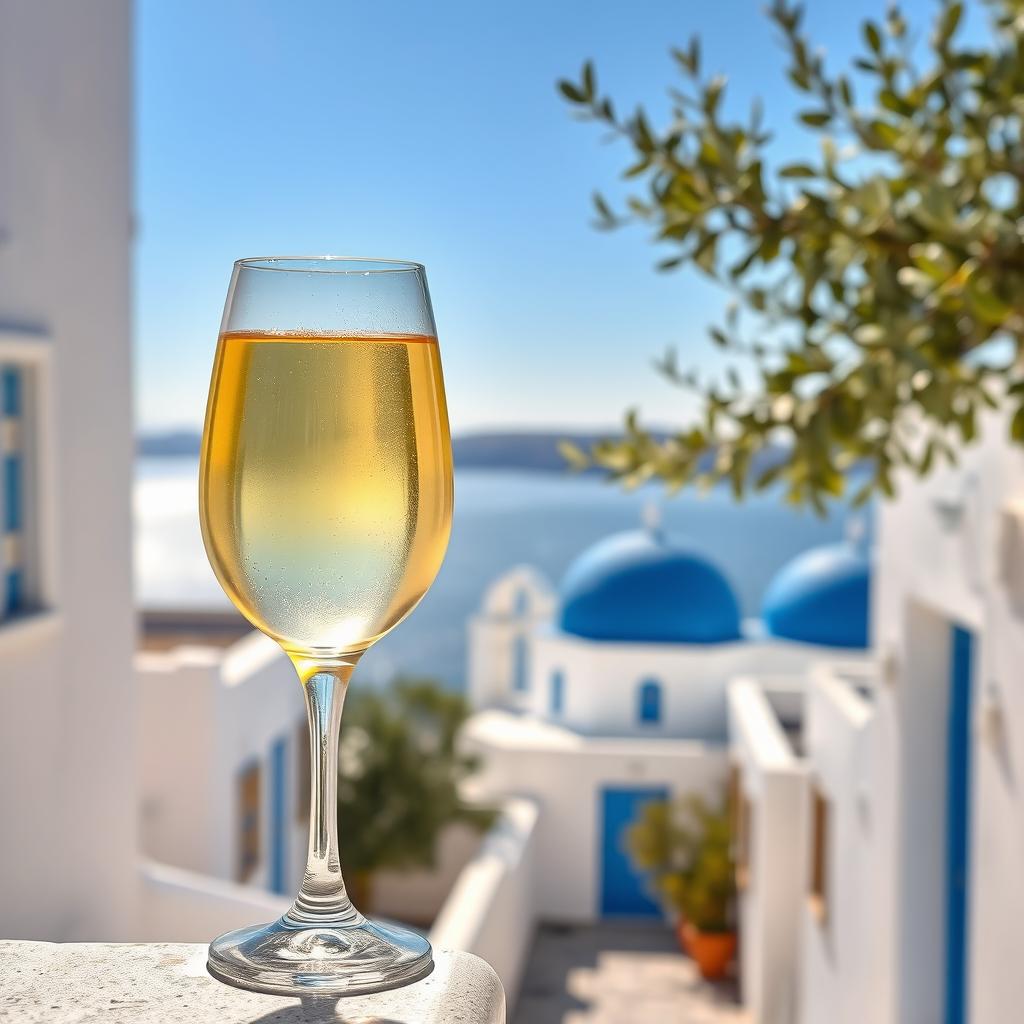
[(503, 518)]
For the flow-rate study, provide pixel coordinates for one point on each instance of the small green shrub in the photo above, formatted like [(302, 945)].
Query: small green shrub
[(686, 847)]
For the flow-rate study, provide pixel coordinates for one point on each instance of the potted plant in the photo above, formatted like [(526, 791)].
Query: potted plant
[(687, 850), (660, 847)]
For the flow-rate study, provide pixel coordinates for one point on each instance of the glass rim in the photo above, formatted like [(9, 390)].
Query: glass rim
[(329, 265)]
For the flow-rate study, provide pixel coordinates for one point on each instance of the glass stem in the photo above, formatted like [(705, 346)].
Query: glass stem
[(322, 898)]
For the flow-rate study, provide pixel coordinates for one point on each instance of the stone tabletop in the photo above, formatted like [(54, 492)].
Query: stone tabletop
[(167, 983)]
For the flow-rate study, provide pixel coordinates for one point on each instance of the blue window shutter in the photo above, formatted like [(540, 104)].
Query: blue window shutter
[(649, 710), (958, 825), (278, 819), (12, 488), (10, 391), (13, 596), (12, 492)]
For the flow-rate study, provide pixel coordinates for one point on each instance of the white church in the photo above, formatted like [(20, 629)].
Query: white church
[(614, 690)]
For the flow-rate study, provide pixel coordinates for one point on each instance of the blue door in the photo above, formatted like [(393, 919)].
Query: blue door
[(958, 823), (278, 856), (623, 890)]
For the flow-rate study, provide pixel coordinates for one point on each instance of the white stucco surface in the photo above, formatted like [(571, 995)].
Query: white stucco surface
[(950, 554), (848, 948), (180, 905), (66, 689), (771, 779), (206, 713), (565, 773), (168, 984), (493, 909), (601, 681)]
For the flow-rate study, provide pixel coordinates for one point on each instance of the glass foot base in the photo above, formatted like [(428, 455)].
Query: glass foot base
[(299, 959)]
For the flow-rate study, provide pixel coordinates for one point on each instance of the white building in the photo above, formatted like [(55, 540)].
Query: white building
[(616, 692), (70, 707), (880, 821), (232, 801), (915, 777), (899, 809), (67, 738)]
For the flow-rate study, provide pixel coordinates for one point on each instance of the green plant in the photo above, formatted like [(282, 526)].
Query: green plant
[(877, 288), (686, 848), (399, 778)]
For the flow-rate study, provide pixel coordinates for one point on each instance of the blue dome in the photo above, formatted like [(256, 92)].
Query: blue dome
[(639, 587), (822, 597)]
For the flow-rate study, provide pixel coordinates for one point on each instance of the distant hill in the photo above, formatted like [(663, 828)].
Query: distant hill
[(526, 450), (536, 451), (510, 450), (174, 442)]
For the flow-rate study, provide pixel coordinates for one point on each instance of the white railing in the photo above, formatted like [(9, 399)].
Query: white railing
[(184, 906), (848, 942), (772, 791), (849, 690), (491, 910)]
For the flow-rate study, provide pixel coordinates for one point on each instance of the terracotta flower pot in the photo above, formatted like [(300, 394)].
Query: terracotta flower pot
[(680, 930), (712, 951)]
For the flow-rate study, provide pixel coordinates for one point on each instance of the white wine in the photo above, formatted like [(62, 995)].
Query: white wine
[(326, 500), (326, 482)]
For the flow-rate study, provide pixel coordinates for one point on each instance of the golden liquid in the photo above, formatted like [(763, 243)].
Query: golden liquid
[(326, 482)]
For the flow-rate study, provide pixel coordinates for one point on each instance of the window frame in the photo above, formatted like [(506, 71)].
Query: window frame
[(741, 825), (819, 859), (556, 693), (36, 538), (645, 687), (244, 868), (520, 682)]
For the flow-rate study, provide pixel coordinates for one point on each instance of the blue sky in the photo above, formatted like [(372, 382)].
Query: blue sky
[(432, 131)]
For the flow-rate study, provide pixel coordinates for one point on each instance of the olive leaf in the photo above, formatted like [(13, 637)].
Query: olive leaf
[(878, 292)]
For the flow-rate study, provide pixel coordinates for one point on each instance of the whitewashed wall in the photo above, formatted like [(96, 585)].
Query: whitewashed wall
[(601, 681), (66, 686), (516, 604), (772, 780), (177, 905), (204, 714), (848, 954), (489, 659), (565, 773), (997, 897), (493, 907), (950, 552), (416, 895)]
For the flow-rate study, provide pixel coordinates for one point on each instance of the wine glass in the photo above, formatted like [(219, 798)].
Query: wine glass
[(326, 502)]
